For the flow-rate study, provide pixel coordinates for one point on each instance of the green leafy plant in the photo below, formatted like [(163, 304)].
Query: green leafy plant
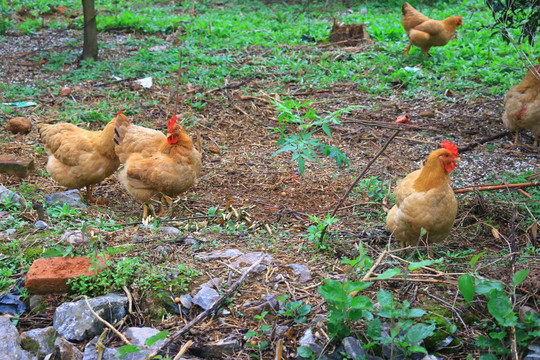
[(294, 309), (303, 145), (257, 337), (374, 188), (8, 204), (125, 350), (501, 298), (314, 231), (63, 212)]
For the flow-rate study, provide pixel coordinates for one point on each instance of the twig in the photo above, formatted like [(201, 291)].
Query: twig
[(183, 350), (120, 335), (414, 280), (178, 84), (279, 350), (366, 168), (174, 337), (496, 187), (483, 140), (377, 262), (130, 299), (231, 86)]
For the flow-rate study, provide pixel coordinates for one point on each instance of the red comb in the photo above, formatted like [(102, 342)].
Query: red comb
[(171, 123), (119, 113), (450, 146)]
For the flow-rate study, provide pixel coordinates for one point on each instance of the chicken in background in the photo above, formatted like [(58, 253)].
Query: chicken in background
[(425, 200), (155, 164), (77, 157), (522, 105), (425, 32)]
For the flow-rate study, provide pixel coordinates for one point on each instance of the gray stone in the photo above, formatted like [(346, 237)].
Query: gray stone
[(163, 251), (39, 341), (277, 332), (308, 340), (64, 350), (74, 321), (444, 343), (186, 301), (10, 343), (41, 225), (353, 347), (269, 303), (251, 258), (74, 238), (205, 297), (8, 195), (169, 231), (214, 283), (72, 197), (302, 271), (90, 351), (391, 351), (219, 254), (218, 350), (36, 300), (138, 336), (258, 269), (431, 357), (190, 240)]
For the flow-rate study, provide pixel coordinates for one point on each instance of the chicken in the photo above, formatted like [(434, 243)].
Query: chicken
[(77, 157), (425, 200), (425, 32), (155, 164), (522, 105)]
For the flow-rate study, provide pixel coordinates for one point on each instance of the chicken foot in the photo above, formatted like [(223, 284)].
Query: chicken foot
[(88, 195), (406, 52)]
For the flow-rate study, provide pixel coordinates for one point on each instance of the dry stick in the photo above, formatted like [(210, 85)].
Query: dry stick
[(483, 140), (174, 337), (178, 84), (279, 350), (412, 279), (496, 187), (183, 350), (358, 179), (120, 335)]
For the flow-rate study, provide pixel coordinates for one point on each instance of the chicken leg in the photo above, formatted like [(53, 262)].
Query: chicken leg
[(406, 52)]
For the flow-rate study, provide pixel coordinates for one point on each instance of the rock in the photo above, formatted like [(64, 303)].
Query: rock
[(214, 283), (74, 238), (224, 348), (169, 231), (11, 304), (353, 347), (444, 343), (256, 270), (50, 275), (219, 254), (186, 301), (35, 300), (205, 297), (163, 251), (431, 357), (39, 341), (251, 258), (90, 352), (391, 351), (534, 351), (74, 321), (308, 340), (302, 271), (138, 337), (65, 91), (41, 225), (10, 343), (16, 166), (278, 332), (190, 240), (8, 195), (72, 197), (19, 125), (64, 350), (269, 303)]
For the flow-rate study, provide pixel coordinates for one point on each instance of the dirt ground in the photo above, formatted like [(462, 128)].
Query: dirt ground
[(240, 169)]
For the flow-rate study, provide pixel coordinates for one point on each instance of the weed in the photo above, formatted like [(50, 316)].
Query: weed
[(257, 336), (317, 227), (294, 309), (63, 212), (374, 188), (303, 145)]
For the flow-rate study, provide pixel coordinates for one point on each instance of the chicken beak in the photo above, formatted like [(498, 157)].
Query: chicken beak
[(456, 159)]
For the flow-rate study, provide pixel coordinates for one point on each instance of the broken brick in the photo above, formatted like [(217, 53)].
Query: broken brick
[(17, 166)]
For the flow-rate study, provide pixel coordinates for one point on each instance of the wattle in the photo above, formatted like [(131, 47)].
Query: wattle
[(450, 166)]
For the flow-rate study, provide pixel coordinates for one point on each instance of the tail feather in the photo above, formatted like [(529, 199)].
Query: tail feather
[(120, 128)]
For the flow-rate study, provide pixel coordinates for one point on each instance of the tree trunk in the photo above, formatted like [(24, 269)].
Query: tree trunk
[(90, 47)]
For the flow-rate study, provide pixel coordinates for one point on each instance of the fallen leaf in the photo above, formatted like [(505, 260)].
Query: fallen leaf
[(402, 119)]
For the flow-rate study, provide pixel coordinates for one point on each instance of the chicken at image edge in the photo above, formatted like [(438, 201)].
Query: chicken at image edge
[(425, 199), (522, 105), (155, 164), (425, 32), (77, 157)]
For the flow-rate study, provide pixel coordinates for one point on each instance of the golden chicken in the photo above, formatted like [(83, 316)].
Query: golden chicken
[(77, 157), (155, 164), (522, 105), (425, 200), (425, 32)]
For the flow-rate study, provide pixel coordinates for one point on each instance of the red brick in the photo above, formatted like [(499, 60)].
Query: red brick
[(50, 275), (14, 165)]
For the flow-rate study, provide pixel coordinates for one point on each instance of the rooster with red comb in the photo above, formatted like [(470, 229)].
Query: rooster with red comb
[(155, 164), (426, 206)]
